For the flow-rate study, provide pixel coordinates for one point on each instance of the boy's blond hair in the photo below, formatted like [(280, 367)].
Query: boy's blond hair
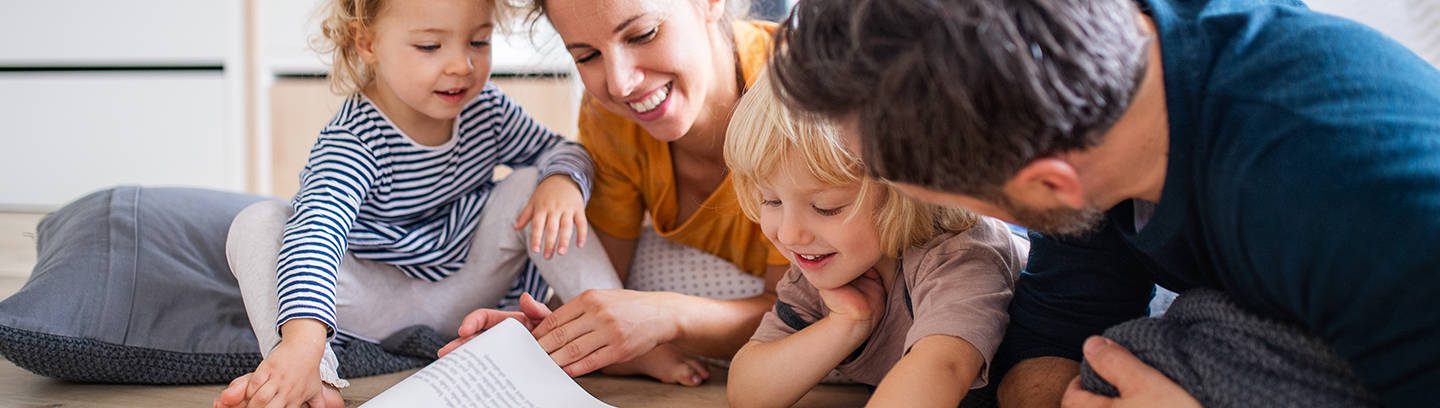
[(349, 74), (764, 140)]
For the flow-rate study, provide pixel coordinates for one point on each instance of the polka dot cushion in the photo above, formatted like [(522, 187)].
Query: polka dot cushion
[(661, 265)]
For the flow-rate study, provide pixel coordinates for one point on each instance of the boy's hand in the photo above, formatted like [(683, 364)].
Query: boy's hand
[(531, 313), (290, 375), (557, 207), (860, 302)]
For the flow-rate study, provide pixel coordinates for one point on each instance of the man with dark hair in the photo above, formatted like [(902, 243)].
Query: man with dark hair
[(1288, 159)]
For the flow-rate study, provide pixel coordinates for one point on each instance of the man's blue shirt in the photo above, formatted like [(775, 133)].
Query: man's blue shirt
[(1303, 180)]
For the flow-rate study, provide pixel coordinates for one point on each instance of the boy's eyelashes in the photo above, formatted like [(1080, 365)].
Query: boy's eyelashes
[(828, 212), (818, 210)]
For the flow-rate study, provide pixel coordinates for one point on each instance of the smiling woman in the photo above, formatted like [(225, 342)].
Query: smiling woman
[(662, 77)]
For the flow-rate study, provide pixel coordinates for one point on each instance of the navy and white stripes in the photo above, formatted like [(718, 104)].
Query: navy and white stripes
[(372, 190)]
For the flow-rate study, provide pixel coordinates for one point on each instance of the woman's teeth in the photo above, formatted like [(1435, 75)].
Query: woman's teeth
[(654, 100)]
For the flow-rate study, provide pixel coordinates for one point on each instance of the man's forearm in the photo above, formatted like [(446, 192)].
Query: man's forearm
[(1037, 382)]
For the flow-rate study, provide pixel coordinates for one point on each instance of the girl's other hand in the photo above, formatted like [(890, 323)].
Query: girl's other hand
[(558, 208), (290, 375), (531, 313), (860, 302)]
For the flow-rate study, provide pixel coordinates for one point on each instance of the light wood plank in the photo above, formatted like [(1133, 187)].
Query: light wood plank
[(26, 389)]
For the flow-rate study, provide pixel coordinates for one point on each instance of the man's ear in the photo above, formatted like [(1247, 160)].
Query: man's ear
[(1046, 182), (364, 42)]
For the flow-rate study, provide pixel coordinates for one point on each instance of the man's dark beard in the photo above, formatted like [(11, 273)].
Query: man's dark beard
[(1053, 221)]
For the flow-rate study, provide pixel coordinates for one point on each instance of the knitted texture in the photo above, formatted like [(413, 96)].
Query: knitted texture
[(86, 360), (418, 341), (363, 359), (1227, 357), (90, 361)]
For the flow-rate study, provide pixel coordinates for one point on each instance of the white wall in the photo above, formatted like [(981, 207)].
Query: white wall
[(286, 27), (1414, 23), (107, 32)]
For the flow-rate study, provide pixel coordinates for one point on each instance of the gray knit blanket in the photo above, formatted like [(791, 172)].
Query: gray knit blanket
[(1228, 357)]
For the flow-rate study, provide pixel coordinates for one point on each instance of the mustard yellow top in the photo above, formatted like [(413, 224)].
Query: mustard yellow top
[(634, 174)]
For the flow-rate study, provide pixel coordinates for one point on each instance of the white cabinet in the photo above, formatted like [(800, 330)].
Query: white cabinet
[(66, 134), (95, 93)]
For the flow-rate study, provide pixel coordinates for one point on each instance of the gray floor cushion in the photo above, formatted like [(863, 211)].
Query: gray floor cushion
[(131, 286)]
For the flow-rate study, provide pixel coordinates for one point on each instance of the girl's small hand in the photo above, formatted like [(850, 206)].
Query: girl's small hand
[(290, 375), (860, 302), (558, 207), (531, 313)]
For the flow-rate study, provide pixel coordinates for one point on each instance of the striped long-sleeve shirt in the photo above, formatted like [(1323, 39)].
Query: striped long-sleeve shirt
[(372, 190)]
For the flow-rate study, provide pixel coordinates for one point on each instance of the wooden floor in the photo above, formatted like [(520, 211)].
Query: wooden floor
[(21, 388)]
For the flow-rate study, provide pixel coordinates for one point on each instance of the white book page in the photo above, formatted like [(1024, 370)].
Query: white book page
[(502, 368)]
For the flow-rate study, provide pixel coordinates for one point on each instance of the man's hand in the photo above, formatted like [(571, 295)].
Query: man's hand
[(1139, 384)]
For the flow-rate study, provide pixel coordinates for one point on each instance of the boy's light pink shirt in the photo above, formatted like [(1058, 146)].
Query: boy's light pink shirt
[(958, 284)]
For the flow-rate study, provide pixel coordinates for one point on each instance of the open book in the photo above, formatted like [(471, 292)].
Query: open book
[(503, 367)]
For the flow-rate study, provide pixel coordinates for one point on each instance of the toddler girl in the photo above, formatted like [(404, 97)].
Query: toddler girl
[(398, 221), (890, 292)]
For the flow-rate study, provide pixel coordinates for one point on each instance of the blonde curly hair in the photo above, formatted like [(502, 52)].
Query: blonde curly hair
[(349, 74)]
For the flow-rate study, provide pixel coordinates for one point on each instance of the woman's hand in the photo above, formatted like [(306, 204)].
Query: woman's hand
[(558, 208), (604, 327), (860, 302)]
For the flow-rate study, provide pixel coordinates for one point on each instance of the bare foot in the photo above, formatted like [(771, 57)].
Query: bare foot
[(666, 363), (234, 395)]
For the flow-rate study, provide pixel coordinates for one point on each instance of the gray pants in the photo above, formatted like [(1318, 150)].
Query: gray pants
[(375, 299)]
